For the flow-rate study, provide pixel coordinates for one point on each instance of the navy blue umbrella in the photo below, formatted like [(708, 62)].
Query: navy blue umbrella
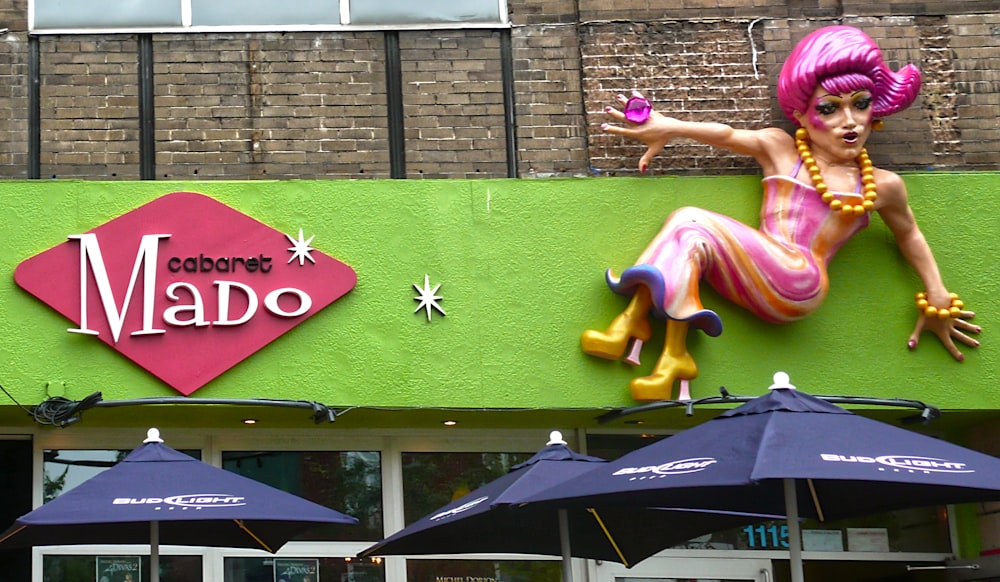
[(157, 495), (790, 453), (492, 519)]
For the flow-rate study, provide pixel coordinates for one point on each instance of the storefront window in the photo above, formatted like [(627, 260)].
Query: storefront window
[(923, 529), (909, 530), (483, 570), (69, 568), (431, 480), (347, 481), (303, 570), (64, 469)]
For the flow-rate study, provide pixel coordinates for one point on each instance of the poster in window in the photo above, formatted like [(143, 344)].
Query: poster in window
[(296, 570), (119, 569), (867, 539)]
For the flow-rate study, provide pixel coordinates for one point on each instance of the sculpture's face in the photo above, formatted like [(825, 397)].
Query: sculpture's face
[(838, 124)]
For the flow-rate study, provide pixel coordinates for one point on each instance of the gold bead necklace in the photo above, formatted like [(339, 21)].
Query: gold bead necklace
[(867, 178)]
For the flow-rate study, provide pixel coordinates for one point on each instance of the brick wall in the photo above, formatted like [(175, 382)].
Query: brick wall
[(725, 70), (974, 47), (313, 104), (551, 126), (701, 71), (273, 106), (453, 104), (13, 88), (89, 107), (209, 105)]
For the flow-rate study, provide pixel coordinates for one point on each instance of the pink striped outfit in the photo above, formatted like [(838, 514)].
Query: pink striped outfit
[(777, 272)]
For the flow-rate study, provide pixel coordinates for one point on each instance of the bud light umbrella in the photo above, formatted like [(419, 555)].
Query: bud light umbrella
[(157, 495), (791, 453), (491, 520)]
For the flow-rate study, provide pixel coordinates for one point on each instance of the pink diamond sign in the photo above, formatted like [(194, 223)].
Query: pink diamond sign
[(185, 286)]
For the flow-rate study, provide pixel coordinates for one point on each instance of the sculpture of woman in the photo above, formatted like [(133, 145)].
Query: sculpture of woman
[(819, 188)]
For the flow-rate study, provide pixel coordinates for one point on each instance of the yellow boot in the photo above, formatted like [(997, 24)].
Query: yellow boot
[(610, 344), (674, 364)]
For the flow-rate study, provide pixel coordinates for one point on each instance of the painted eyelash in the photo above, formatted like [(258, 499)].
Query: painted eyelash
[(826, 107)]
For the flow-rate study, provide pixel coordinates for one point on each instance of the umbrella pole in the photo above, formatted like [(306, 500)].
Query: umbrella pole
[(567, 562), (154, 551), (794, 536)]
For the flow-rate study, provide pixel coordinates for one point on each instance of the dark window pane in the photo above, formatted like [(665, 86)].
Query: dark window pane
[(16, 458), (492, 570), (923, 529), (64, 469), (612, 446), (431, 480), (303, 570), (347, 481), (82, 568)]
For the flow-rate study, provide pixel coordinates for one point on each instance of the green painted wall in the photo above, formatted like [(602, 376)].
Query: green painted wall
[(521, 266)]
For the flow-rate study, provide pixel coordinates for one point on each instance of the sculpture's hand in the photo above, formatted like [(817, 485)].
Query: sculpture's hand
[(947, 330), (655, 132)]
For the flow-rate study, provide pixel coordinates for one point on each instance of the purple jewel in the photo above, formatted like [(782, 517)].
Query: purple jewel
[(637, 109)]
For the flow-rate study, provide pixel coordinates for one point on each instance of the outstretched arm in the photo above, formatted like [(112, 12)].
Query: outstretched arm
[(897, 215), (771, 147)]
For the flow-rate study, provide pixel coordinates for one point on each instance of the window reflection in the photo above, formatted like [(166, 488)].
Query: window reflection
[(81, 568), (483, 570), (348, 481), (431, 480), (302, 570), (64, 469)]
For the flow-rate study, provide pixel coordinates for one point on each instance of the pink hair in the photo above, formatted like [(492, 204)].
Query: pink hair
[(843, 59)]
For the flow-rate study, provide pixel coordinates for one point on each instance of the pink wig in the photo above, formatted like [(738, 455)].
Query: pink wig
[(843, 59)]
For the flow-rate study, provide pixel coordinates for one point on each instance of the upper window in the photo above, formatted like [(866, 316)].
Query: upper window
[(112, 16), (262, 12), (389, 12)]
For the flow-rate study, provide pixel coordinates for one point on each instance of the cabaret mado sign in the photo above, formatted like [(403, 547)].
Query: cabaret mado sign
[(185, 286)]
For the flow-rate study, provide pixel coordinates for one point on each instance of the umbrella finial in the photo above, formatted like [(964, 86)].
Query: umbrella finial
[(781, 380), (555, 438), (153, 436)]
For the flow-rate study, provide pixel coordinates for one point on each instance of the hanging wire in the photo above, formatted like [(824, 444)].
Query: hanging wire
[(63, 412), (927, 413), (56, 411)]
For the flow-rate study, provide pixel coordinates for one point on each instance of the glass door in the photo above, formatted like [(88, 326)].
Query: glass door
[(688, 570)]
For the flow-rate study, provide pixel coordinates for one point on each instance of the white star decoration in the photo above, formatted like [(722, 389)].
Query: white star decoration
[(428, 298), (300, 248)]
